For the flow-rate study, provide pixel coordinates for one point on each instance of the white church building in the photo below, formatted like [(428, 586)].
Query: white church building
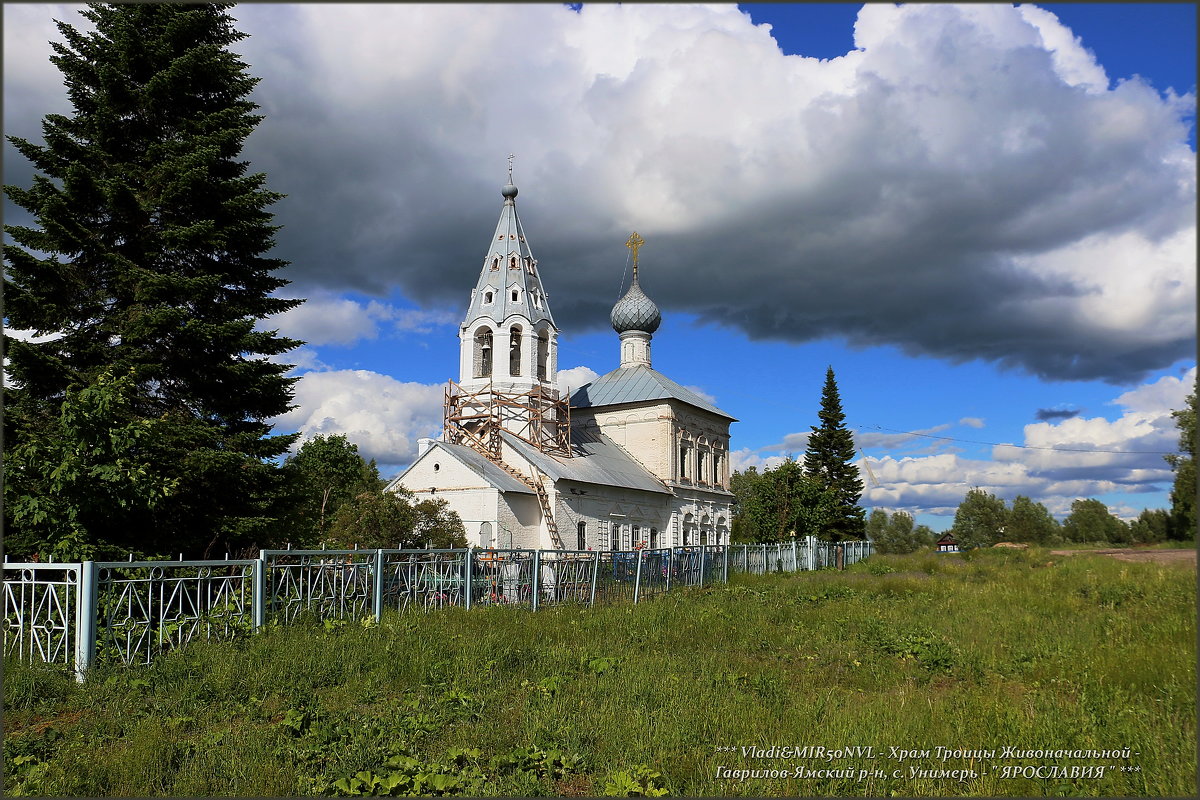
[(630, 460)]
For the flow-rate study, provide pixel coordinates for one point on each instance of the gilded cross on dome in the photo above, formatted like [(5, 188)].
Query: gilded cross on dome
[(633, 244)]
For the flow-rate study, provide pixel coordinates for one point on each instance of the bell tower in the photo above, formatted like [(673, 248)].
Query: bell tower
[(508, 350)]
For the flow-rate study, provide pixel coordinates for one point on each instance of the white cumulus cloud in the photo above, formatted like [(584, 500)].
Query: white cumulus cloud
[(382, 415)]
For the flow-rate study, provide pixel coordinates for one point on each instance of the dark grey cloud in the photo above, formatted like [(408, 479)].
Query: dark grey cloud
[(1050, 414), (965, 186)]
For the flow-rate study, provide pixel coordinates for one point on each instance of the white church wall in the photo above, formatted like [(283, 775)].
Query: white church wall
[(521, 516)]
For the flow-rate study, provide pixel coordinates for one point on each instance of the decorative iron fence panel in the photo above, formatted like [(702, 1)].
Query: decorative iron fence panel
[(503, 577), (146, 607), (616, 576), (41, 609), (655, 575), (424, 579), (328, 584), (696, 566), (568, 576)]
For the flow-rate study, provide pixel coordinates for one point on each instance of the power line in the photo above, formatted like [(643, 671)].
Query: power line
[(1031, 446)]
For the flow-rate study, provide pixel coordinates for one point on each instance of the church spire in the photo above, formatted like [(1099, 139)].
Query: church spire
[(508, 336)]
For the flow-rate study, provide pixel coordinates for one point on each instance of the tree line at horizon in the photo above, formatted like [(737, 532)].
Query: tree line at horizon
[(780, 503)]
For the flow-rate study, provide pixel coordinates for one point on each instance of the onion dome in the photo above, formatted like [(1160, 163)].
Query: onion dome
[(635, 311)]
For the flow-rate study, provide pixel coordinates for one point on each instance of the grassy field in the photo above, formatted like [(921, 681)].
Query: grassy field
[(973, 652)]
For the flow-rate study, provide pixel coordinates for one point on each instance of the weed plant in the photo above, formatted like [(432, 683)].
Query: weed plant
[(970, 652)]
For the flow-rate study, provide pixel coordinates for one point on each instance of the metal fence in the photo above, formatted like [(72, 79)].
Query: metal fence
[(80, 614)]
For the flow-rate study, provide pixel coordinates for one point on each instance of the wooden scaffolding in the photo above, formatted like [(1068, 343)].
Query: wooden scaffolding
[(476, 418)]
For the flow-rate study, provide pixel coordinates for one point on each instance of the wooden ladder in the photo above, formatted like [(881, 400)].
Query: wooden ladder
[(543, 499)]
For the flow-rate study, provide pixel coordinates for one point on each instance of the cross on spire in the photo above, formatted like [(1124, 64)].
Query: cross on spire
[(510, 160), (633, 244)]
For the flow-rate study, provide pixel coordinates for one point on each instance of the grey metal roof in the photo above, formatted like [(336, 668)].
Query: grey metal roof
[(479, 465), (637, 384), (596, 459)]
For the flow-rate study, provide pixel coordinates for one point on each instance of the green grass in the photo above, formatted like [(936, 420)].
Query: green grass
[(974, 651)]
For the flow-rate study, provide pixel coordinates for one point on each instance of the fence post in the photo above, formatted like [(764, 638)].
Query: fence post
[(537, 574), (468, 576), (637, 578), (595, 574), (378, 585), (725, 566), (260, 591), (670, 566), (85, 619), (700, 582)]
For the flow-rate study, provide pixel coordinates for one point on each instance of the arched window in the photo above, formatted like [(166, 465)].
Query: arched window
[(496, 264), (512, 263), (487, 297), (483, 353), (637, 536), (543, 353), (514, 350), (515, 294), (614, 539), (653, 538), (581, 536), (485, 534)]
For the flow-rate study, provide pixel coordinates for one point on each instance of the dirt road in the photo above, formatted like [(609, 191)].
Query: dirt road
[(1139, 554)]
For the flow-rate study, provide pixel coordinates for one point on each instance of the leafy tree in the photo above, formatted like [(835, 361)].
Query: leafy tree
[(780, 502), (1030, 522), (829, 461), (746, 513), (980, 520), (899, 534), (147, 260), (1153, 525), (876, 529), (1183, 492), (86, 472), (390, 519), (924, 536), (1091, 521), (325, 473)]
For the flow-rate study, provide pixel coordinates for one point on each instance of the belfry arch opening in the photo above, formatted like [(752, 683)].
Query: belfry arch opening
[(543, 354), (483, 353), (514, 351)]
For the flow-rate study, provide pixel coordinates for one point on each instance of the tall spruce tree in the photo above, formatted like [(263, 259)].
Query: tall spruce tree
[(148, 263), (829, 461)]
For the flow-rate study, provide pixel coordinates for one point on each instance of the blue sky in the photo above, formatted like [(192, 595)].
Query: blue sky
[(975, 215)]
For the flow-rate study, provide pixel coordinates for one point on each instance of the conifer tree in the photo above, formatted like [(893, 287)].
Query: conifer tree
[(829, 461), (147, 262)]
